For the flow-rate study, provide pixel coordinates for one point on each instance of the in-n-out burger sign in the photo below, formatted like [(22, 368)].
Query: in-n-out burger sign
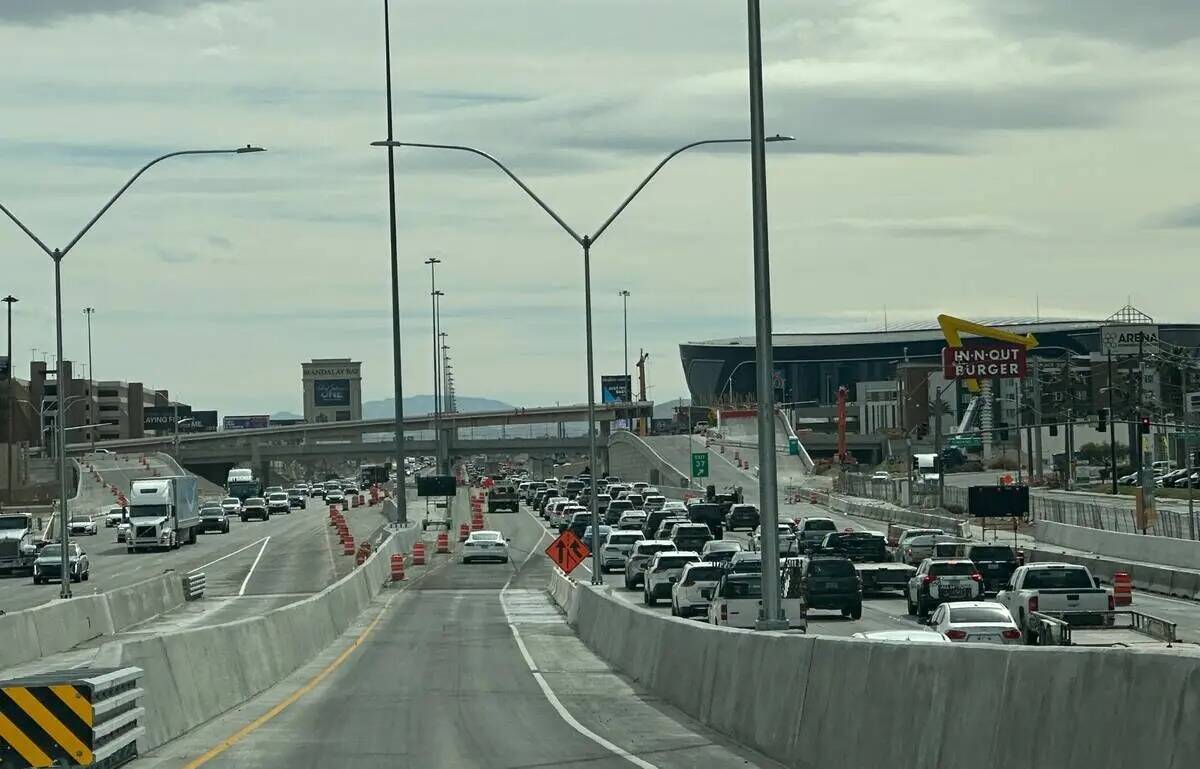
[(985, 361)]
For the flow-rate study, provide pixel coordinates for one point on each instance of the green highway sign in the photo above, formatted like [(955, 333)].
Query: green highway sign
[(699, 464), (965, 442)]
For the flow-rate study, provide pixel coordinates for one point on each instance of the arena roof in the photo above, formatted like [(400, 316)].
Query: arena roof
[(907, 332)]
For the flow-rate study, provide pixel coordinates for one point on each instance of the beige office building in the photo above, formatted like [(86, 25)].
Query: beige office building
[(332, 390)]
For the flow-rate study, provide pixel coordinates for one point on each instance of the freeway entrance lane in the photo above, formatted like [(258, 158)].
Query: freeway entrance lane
[(442, 682)]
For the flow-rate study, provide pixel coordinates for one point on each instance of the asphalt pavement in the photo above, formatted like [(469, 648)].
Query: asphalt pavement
[(469, 666)]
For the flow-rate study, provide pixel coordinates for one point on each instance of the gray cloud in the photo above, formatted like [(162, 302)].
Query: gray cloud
[(934, 227), (38, 12), (1185, 218), (219, 241), (1145, 23), (176, 255)]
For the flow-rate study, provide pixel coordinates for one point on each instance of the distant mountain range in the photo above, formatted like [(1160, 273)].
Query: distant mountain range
[(415, 405)]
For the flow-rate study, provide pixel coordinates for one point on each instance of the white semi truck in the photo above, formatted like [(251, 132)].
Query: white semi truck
[(18, 545), (163, 513)]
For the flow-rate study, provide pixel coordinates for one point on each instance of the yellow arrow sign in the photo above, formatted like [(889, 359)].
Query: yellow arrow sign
[(953, 328)]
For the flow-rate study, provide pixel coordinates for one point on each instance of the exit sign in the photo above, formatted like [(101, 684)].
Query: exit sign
[(699, 464)]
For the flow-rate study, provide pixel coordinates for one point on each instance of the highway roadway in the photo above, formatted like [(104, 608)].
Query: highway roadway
[(469, 666), (278, 559)]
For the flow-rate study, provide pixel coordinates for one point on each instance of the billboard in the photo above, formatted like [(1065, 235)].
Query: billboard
[(331, 392), (615, 388), (163, 417), (1128, 339), (255, 422), (436, 486), (4, 367), (202, 422), (984, 361)]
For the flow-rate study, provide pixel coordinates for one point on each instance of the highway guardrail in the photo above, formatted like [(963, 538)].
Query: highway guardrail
[(193, 585)]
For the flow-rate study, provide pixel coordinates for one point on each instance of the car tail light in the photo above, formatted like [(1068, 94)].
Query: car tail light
[(977, 576), (956, 635), (1033, 603), (927, 579), (724, 613), (1112, 602), (1011, 634)]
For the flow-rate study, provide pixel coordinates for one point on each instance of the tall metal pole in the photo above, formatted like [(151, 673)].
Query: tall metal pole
[(433, 262), (772, 615), (1112, 427), (625, 316), (12, 394), (439, 396), (89, 311), (60, 430), (586, 243), (397, 371), (1037, 413), (1187, 450), (937, 443)]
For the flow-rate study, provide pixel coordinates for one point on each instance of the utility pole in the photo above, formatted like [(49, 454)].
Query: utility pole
[(91, 380), (1036, 473), (1146, 472), (1112, 427), (12, 394), (625, 314)]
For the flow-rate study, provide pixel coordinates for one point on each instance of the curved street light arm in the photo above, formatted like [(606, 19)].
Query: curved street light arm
[(463, 148), (134, 178), (27, 231)]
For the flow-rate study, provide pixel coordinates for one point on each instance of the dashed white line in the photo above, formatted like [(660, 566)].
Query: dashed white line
[(253, 566)]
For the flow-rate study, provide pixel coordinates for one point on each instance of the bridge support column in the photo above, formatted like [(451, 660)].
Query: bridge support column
[(261, 467), (602, 445)]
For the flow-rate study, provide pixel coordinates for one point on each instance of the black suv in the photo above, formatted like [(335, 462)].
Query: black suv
[(742, 516), (824, 582), (995, 562), (858, 546), (709, 514)]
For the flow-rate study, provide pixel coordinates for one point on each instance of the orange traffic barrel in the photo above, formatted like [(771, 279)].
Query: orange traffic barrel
[(464, 531), (397, 567), (418, 554), (443, 542), (1122, 589), (348, 546)]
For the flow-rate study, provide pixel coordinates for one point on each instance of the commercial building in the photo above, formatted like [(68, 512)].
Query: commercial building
[(894, 377), (332, 390)]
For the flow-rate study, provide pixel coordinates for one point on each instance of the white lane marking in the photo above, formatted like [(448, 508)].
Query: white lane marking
[(228, 555), (253, 566), (551, 697)]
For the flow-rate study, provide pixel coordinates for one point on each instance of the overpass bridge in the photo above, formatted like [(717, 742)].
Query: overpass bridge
[(211, 455)]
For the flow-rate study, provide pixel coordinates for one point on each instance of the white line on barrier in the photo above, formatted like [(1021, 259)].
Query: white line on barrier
[(227, 555), (551, 697), (253, 566)]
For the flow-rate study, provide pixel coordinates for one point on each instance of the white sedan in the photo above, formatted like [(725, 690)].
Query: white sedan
[(82, 525), (975, 622), (485, 546), (231, 506), (114, 517)]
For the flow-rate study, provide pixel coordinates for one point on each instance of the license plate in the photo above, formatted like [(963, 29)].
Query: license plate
[(830, 585), (953, 591), (992, 566)]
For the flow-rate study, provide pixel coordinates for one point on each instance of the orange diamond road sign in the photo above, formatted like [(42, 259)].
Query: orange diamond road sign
[(568, 551)]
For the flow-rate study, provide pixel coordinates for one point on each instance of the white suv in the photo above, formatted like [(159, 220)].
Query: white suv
[(692, 592), (639, 558), (616, 549), (663, 572)]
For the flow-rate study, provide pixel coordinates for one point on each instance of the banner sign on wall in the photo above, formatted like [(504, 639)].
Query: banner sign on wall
[(331, 392), (615, 388), (985, 361), (256, 422)]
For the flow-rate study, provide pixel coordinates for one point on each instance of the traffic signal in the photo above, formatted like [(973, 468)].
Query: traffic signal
[(1102, 420), (1144, 425)]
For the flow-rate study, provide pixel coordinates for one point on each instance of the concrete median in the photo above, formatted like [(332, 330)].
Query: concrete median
[(195, 675), (1154, 578), (833, 702), (1132, 547), (57, 627)]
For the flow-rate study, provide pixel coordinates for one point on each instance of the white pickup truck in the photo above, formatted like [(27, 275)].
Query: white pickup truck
[(1065, 589)]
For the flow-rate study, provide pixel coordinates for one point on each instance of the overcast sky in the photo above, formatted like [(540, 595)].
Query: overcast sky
[(963, 156)]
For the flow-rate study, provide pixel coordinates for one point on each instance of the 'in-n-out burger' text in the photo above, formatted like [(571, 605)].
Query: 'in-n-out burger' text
[(983, 362)]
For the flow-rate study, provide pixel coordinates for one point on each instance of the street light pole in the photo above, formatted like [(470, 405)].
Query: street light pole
[(56, 255), (585, 242), (433, 262), (89, 311), (624, 294), (437, 373), (397, 371), (12, 412)]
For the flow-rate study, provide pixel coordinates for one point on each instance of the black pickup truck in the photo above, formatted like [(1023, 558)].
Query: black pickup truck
[(868, 552), (503, 498)]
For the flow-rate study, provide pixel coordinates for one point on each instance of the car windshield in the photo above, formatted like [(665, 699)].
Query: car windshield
[(674, 561), (992, 553), (819, 525), (1051, 579), (51, 551), (230, 501), (652, 549), (744, 587), (979, 614), (748, 565), (831, 569), (487, 536), (705, 573), (953, 569), (13, 522), (80, 519)]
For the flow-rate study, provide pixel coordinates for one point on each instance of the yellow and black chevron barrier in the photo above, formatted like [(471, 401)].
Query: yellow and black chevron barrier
[(70, 718)]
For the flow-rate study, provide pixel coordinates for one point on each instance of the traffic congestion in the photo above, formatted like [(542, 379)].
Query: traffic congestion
[(700, 558)]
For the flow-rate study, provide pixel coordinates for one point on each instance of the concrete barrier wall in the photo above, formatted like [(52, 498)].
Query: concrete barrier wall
[(1168, 580), (892, 514), (192, 676), (1132, 547), (56, 627), (848, 703), (631, 457)]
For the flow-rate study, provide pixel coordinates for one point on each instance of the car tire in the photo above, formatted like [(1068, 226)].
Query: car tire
[(628, 584), (76, 577), (505, 560), (244, 518), (922, 609), (37, 580), (87, 575), (856, 611)]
